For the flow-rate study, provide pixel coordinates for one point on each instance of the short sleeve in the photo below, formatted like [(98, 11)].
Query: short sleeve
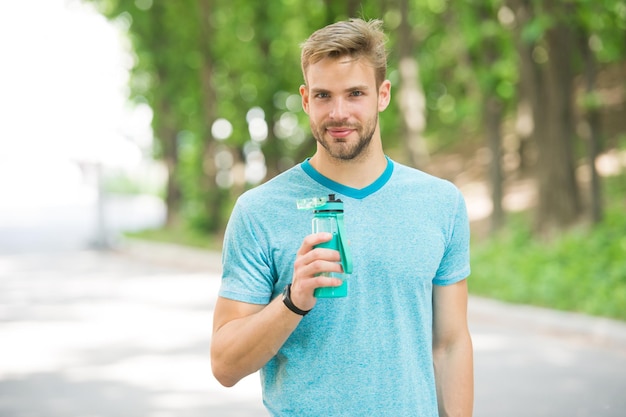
[(455, 264), (247, 273)]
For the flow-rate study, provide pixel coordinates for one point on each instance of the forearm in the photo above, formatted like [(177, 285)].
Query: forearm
[(242, 346), (454, 377), (246, 336)]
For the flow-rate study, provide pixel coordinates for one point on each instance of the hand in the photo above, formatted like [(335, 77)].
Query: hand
[(309, 263)]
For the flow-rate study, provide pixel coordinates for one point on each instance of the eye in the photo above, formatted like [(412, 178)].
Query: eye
[(322, 95), (356, 93)]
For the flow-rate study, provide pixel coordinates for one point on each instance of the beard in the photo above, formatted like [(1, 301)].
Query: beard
[(343, 148)]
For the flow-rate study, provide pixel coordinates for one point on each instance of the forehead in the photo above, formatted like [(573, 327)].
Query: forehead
[(341, 73)]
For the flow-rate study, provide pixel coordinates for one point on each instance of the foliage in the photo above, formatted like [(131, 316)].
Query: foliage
[(200, 61), (582, 270)]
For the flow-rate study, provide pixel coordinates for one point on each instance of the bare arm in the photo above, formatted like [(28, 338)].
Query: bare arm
[(452, 351), (246, 336)]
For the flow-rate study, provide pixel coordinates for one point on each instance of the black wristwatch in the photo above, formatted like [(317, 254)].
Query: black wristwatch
[(289, 303)]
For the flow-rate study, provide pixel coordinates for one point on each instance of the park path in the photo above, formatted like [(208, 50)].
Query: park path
[(127, 333)]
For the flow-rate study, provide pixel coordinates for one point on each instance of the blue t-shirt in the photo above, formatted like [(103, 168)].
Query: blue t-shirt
[(369, 354)]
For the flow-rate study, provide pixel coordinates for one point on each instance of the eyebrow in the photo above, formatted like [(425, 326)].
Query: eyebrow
[(347, 90)]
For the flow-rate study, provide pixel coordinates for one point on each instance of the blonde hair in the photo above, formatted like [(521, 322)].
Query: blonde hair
[(354, 38)]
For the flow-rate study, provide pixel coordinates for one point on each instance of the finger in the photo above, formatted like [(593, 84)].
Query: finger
[(303, 286), (325, 254), (312, 240), (316, 261), (321, 266), (323, 281)]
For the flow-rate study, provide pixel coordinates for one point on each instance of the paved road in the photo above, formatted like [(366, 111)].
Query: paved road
[(116, 334), (101, 334), (541, 363)]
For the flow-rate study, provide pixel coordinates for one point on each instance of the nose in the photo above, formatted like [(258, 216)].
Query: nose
[(339, 110)]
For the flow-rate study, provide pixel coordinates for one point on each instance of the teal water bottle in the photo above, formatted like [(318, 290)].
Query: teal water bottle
[(328, 217)]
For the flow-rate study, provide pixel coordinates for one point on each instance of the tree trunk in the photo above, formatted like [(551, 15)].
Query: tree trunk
[(549, 86), (559, 202), (272, 148), (212, 195), (411, 96), (492, 110), (166, 131), (493, 122), (529, 78), (594, 134), (164, 122)]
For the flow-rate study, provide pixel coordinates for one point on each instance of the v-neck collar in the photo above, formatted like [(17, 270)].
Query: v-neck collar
[(357, 193)]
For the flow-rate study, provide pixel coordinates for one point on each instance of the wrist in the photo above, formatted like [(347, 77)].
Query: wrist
[(289, 303)]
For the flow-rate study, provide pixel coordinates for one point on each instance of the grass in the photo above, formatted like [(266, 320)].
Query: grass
[(583, 270), (180, 235)]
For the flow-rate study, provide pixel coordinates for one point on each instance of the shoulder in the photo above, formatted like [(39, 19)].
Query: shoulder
[(274, 202), (274, 190), (409, 177)]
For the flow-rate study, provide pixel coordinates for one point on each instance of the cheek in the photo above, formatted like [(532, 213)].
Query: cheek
[(316, 114)]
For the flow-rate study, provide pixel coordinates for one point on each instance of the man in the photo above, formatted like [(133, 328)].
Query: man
[(398, 344)]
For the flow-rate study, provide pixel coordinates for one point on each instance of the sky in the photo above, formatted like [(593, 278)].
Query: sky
[(63, 100)]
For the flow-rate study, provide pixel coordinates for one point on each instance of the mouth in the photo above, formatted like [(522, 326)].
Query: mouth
[(339, 132)]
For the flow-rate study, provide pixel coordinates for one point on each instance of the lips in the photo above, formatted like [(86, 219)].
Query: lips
[(339, 132)]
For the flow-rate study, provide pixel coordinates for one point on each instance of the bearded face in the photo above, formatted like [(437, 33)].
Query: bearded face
[(345, 141), (342, 100)]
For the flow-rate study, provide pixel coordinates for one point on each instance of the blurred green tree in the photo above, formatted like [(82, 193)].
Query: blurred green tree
[(552, 39), (222, 79)]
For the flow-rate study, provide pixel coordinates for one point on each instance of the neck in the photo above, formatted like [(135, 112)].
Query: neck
[(355, 173)]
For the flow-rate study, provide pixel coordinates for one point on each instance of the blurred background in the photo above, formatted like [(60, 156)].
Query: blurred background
[(68, 130), (142, 121), (148, 119)]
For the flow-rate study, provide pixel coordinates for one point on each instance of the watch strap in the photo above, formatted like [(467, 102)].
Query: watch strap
[(290, 305)]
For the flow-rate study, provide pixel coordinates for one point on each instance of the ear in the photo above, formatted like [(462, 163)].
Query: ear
[(304, 92), (384, 95)]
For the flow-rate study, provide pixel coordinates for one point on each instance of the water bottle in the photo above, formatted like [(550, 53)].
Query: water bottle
[(328, 217)]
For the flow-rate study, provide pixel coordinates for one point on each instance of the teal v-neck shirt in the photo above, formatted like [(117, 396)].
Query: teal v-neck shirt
[(369, 353)]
